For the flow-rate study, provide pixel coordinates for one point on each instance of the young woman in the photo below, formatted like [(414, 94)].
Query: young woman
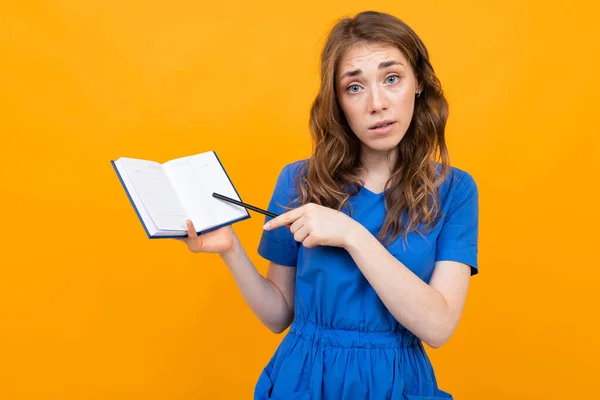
[(374, 250)]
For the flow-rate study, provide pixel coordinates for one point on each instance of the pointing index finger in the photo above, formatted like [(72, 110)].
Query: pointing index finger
[(284, 219)]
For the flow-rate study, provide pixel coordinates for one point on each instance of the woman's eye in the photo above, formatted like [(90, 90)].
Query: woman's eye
[(392, 79), (353, 88)]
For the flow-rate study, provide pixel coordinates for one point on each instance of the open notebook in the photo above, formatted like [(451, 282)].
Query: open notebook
[(165, 195)]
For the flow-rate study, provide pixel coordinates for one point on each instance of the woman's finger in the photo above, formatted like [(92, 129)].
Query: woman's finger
[(310, 241), (285, 219), (194, 243), (297, 224), (190, 228), (301, 233)]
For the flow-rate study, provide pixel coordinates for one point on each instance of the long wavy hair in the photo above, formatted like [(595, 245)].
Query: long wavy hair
[(331, 175)]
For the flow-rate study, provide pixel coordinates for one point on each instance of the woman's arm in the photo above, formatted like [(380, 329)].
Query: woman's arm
[(271, 298), (430, 311)]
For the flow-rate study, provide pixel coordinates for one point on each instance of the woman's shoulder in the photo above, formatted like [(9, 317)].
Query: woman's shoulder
[(459, 183), (294, 167), (291, 170), (289, 174), (456, 175)]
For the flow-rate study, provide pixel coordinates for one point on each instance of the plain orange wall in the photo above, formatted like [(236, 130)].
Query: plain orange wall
[(92, 309)]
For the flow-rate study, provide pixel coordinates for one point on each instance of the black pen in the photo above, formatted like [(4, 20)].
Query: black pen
[(248, 206)]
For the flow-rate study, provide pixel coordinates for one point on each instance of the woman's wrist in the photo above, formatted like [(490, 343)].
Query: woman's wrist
[(229, 254), (354, 234)]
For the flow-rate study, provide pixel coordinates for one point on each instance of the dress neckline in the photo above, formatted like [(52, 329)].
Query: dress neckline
[(370, 192)]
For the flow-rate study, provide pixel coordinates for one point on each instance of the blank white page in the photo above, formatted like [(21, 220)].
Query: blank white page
[(156, 193), (195, 178)]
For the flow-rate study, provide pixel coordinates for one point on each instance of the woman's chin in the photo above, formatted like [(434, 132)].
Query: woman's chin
[(383, 145)]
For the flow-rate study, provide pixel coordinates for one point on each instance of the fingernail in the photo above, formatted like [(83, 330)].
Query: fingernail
[(267, 225)]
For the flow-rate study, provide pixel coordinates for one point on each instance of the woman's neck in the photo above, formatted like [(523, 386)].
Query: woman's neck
[(377, 168)]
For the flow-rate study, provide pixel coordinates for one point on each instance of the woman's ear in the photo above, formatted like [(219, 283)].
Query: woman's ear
[(418, 89)]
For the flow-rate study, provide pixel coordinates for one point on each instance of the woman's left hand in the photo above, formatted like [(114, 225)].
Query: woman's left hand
[(316, 225)]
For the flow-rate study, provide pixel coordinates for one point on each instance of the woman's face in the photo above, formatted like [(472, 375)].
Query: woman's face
[(376, 89)]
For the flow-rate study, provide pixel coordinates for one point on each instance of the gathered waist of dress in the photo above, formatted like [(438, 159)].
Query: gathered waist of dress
[(326, 335)]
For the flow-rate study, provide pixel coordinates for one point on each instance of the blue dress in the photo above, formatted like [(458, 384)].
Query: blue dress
[(343, 342)]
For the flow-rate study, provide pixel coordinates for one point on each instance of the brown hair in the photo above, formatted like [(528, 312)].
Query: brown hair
[(331, 175)]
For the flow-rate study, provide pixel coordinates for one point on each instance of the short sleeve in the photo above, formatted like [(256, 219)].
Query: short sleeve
[(278, 245), (458, 238)]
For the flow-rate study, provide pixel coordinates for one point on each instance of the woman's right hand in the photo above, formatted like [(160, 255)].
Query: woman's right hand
[(218, 241)]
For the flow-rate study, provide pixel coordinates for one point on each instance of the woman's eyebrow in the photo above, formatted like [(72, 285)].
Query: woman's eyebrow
[(384, 64)]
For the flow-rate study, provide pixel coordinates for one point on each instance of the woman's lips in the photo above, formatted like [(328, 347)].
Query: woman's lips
[(383, 128)]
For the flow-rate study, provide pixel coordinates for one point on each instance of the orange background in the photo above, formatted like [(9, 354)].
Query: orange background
[(92, 309)]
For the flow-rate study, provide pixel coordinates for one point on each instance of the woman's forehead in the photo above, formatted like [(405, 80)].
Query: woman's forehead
[(370, 54)]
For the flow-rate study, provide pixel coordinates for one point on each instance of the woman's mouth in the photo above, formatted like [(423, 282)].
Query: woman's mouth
[(383, 127)]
